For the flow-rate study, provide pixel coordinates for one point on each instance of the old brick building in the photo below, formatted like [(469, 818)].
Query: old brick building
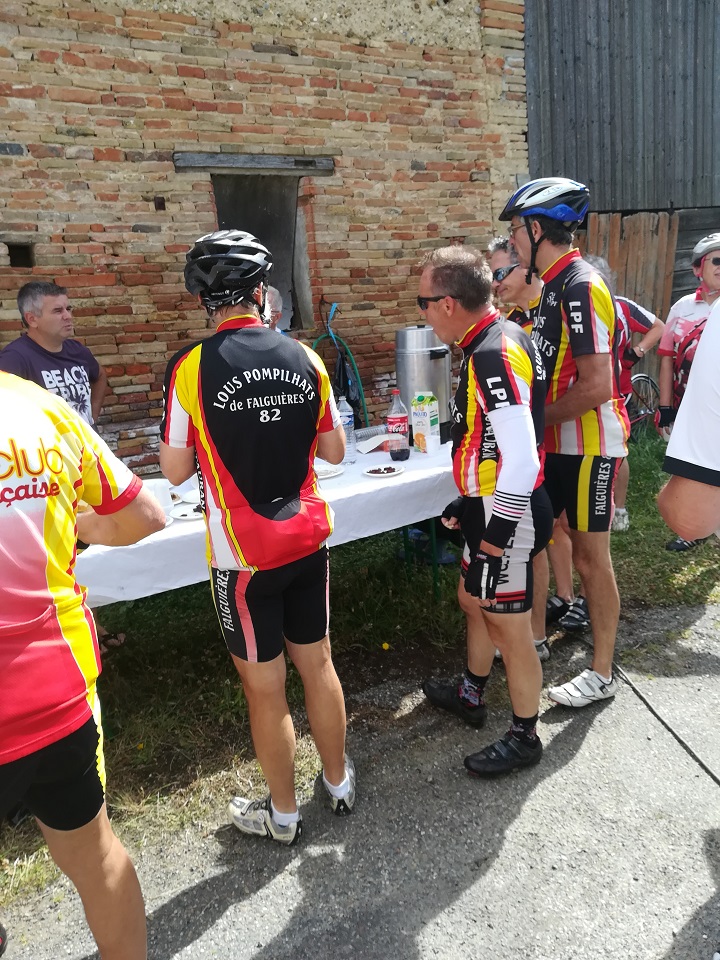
[(127, 133)]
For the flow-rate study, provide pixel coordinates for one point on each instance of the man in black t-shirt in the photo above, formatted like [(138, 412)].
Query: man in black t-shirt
[(47, 354)]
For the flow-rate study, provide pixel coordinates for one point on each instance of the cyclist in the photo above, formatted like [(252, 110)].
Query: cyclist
[(631, 319), (503, 511), (249, 409), (511, 289), (690, 501), (587, 428), (683, 330), (509, 283), (51, 746)]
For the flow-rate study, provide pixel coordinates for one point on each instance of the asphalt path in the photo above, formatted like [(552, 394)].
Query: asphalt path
[(610, 848)]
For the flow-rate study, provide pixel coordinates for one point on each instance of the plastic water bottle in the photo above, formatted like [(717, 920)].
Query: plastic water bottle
[(347, 418), (397, 423)]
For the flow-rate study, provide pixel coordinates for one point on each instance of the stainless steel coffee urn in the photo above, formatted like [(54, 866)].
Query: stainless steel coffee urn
[(423, 363)]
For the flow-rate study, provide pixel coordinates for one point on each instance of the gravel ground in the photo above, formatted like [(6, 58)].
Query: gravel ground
[(610, 848)]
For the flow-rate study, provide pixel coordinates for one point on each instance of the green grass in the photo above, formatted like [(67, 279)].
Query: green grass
[(178, 736)]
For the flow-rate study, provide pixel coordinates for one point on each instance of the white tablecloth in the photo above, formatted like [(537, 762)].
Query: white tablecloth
[(364, 506)]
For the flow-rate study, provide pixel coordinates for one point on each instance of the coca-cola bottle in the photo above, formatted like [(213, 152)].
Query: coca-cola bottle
[(397, 424)]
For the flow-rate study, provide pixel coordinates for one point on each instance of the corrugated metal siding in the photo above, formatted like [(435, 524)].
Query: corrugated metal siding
[(624, 95)]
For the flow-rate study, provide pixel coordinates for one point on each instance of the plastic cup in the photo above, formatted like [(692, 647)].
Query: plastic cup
[(433, 444), (160, 489)]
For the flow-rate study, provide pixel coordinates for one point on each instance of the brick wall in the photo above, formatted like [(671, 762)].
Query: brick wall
[(427, 143)]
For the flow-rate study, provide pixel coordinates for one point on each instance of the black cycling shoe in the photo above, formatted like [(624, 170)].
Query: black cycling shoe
[(555, 608), (506, 754), (678, 545), (445, 696), (577, 617), (3, 939)]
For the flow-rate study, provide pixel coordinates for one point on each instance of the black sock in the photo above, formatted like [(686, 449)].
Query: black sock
[(471, 689), (523, 728)]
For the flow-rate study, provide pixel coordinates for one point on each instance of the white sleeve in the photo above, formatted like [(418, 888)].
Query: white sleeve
[(515, 434), (519, 464)]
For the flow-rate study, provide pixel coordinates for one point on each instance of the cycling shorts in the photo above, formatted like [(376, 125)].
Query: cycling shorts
[(583, 487), (63, 784), (259, 610), (515, 587)]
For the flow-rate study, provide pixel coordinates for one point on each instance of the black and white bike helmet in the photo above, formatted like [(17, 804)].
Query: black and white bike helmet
[(705, 246), (555, 197), (224, 267)]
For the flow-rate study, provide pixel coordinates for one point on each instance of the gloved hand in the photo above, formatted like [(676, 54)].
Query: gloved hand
[(629, 355), (665, 416), (482, 576), (452, 514)]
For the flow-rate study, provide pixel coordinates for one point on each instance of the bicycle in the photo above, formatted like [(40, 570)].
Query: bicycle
[(642, 404)]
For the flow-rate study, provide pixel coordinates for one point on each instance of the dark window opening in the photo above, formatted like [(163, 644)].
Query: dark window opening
[(266, 205), (21, 254)]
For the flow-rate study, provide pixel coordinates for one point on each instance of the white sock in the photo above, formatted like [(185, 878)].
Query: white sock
[(539, 642), (339, 791), (284, 819), (604, 679)]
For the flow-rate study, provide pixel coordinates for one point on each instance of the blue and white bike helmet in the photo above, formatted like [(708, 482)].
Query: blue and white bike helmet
[(555, 197)]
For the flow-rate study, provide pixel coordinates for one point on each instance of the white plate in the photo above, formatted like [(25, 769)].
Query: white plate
[(325, 471), (389, 471), (168, 521), (185, 512), (189, 491)]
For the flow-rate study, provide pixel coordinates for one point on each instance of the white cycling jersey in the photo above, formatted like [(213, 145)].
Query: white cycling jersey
[(694, 448)]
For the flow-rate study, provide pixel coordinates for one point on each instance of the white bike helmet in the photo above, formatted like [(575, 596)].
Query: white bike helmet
[(705, 246)]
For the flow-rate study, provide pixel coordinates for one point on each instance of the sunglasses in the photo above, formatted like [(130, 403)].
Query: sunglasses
[(715, 261), (423, 302), (502, 272)]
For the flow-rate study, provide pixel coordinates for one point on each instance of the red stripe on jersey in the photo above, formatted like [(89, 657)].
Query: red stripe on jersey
[(477, 328), (126, 497), (555, 268)]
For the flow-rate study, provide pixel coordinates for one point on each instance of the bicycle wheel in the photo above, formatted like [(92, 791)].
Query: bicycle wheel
[(642, 404)]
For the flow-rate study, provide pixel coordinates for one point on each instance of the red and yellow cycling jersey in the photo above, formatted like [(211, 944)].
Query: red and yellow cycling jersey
[(252, 402), (576, 317), (49, 460), (501, 368), (521, 318)]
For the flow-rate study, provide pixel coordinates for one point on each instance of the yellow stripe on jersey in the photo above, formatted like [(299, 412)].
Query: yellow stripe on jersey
[(487, 477), (520, 363), (473, 411), (186, 386), (590, 430), (563, 348), (604, 311)]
